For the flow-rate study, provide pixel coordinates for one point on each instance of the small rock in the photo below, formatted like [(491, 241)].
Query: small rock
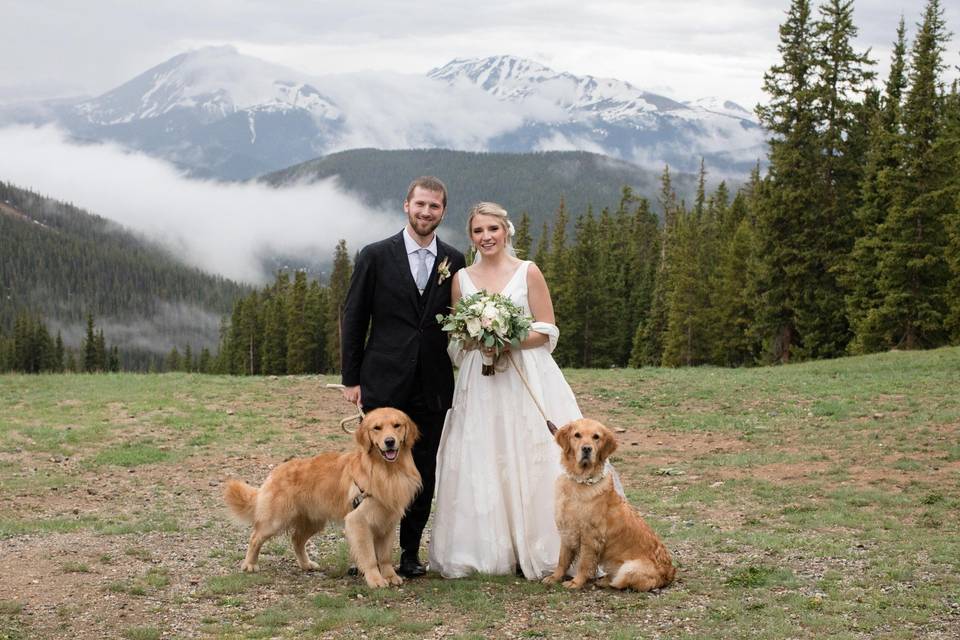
[(56, 459), (230, 412), (877, 416), (620, 430), (214, 483)]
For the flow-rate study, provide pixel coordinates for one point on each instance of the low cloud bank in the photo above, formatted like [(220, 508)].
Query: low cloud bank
[(222, 228)]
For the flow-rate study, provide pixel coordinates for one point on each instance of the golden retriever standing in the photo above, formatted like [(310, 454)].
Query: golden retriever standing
[(597, 524), (367, 489)]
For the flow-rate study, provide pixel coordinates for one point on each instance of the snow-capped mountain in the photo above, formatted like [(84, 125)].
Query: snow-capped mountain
[(614, 117), (221, 114), (214, 83), (517, 79)]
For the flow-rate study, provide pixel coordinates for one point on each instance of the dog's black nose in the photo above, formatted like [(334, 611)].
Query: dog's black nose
[(586, 451), (390, 442)]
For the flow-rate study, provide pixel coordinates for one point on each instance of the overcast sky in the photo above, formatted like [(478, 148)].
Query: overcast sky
[(685, 49)]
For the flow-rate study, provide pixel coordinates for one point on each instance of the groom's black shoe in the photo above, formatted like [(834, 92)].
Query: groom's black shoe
[(410, 566)]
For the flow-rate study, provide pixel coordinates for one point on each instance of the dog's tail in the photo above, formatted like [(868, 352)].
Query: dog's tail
[(242, 500)]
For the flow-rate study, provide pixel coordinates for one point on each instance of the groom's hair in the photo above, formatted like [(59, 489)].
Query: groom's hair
[(429, 183)]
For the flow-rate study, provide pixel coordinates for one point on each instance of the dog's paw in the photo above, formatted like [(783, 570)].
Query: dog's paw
[(310, 566), (604, 581), (395, 580), (573, 584), (551, 579), (376, 581), (247, 567)]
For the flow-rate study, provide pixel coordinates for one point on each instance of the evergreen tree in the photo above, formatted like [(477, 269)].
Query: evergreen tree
[(339, 285), (556, 272), (298, 332), (90, 347), (643, 268), (540, 256), (274, 356), (58, 353), (648, 340), (522, 240), (861, 274), (101, 351), (581, 322), (786, 229), (913, 269), (315, 317), (205, 363), (951, 149), (174, 361)]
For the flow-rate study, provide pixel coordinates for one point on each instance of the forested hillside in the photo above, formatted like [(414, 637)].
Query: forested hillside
[(64, 263), (524, 182)]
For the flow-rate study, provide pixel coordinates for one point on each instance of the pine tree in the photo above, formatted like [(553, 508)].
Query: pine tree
[(913, 269), (339, 285), (101, 351), (540, 256), (644, 264), (522, 240), (58, 353), (841, 78), (785, 223), (557, 274), (315, 317), (950, 148), (648, 340), (188, 364), (274, 356), (298, 332), (174, 362), (205, 363), (582, 297), (861, 274), (90, 347)]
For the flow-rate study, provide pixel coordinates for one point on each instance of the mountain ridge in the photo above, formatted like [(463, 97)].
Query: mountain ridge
[(218, 112)]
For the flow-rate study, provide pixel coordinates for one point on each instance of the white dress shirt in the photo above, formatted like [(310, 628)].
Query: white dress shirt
[(412, 248)]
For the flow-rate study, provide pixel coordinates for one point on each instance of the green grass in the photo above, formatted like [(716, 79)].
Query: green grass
[(815, 500)]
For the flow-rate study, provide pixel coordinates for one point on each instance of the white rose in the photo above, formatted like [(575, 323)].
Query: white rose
[(473, 327)]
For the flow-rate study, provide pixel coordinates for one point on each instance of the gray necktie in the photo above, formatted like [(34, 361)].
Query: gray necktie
[(422, 274)]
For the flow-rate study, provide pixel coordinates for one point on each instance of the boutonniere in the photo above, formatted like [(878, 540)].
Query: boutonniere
[(443, 269)]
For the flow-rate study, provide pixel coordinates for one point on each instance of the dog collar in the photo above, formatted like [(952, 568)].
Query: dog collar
[(590, 479)]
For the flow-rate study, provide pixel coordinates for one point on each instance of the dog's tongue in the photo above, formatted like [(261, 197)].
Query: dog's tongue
[(390, 455)]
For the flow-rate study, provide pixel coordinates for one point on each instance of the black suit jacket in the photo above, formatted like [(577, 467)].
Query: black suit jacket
[(404, 335)]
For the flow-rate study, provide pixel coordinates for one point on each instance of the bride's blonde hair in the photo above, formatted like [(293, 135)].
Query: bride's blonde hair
[(495, 210)]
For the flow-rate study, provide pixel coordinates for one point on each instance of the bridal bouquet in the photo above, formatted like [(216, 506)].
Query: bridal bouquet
[(485, 320)]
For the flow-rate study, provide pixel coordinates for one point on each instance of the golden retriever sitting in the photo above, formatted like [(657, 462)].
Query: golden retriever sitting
[(596, 523), (367, 489)]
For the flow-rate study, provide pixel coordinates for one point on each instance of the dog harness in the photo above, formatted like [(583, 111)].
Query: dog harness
[(360, 496)]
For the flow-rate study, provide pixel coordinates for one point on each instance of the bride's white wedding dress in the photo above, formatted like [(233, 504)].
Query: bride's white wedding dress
[(498, 462)]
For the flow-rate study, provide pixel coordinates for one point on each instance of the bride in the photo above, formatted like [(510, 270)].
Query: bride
[(497, 461)]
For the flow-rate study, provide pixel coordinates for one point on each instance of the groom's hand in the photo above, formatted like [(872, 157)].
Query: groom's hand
[(352, 394)]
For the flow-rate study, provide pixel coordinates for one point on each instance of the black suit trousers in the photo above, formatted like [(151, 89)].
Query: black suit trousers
[(414, 521)]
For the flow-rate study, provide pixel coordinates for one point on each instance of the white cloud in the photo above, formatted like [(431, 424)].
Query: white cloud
[(689, 48), (220, 228)]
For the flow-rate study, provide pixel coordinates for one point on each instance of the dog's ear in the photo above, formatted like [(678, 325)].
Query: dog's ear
[(562, 436), (609, 444), (362, 435), (413, 431)]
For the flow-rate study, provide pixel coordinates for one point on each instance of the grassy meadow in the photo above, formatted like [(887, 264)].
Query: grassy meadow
[(806, 501)]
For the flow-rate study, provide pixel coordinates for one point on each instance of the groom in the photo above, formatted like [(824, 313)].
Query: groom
[(399, 285)]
